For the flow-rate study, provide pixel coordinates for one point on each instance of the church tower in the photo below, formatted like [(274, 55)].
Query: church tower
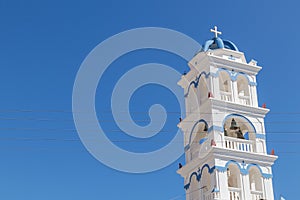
[(224, 131)]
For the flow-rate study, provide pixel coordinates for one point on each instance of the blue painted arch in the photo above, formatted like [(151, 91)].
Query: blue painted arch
[(196, 81), (235, 163), (234, 76), (244, 171), (194, 126), (199, 174)]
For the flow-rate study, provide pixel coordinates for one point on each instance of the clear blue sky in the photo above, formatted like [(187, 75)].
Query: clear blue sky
[(42, 44)]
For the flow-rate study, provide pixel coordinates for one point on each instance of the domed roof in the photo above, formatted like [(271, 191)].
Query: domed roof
[(218, 43)]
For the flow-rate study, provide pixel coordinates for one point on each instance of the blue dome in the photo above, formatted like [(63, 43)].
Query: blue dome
[(218, 43)]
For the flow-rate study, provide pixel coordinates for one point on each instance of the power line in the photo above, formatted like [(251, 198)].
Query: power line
[(136, 112), (126, 120), (121, 131), (122, 141)]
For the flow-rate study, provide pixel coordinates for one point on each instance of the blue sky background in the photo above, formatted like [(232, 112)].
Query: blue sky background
[(42, 44)]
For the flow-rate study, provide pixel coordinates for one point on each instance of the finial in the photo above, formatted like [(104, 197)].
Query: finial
[(215, 30), (179, 165)]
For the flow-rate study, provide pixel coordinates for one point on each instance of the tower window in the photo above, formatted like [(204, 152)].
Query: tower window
[(225, 86), (239, 127), (255, 179), (233, 176), (243, 90)]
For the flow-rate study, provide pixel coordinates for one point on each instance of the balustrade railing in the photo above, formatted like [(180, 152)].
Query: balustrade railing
[(225, 96), (212, 196), (256, 195), (244, 100), (234, 193), (208, 196), (238, 144)]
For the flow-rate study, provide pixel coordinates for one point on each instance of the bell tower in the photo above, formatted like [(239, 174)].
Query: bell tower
[(224, 131)]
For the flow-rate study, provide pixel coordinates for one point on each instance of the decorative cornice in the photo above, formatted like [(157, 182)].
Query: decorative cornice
[(232, 107), (249, 157), (242, 167), (233, 65)]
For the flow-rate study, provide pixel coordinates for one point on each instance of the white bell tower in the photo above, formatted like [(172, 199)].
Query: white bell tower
[(224, 131)]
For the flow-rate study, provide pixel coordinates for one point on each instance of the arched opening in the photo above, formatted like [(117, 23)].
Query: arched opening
[(233, 176), (191, 100), (239, 127), (203, 90), (194, 189), (239, 133), (199, 133), (205, 183), (225, 86), (255, 179), (234, 182), (243, 90)]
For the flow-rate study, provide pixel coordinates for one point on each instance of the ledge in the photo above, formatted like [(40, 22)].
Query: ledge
[(238, 108)]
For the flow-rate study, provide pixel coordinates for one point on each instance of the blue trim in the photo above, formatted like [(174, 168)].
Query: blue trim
[(265, 175), (187, 147), (207, 44), (241, 116), (199, 174), (260, 136), (233, 75), (243, 170), (230, 45), (199, 121), (187, 186), (202, 140), (220, 168), (252, 83), (215, 128), (196, 81), (246, 135), (215, 190)]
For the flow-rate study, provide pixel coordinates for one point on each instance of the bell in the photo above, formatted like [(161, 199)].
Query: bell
[(233, 125)]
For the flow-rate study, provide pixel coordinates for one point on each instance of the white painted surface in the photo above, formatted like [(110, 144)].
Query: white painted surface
[(237, 99)]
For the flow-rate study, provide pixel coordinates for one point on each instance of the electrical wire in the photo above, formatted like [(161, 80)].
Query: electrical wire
[(135, 112)]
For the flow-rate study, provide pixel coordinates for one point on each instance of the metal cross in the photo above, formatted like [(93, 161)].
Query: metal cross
[(215, 30)]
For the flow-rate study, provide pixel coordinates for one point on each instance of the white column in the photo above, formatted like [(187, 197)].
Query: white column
[(234, 89), (254, 93), (223, 185), (246, 194), (268, 189), (216, 87)]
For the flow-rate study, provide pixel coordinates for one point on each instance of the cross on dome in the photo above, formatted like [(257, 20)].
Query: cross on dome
[(215, 30)]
